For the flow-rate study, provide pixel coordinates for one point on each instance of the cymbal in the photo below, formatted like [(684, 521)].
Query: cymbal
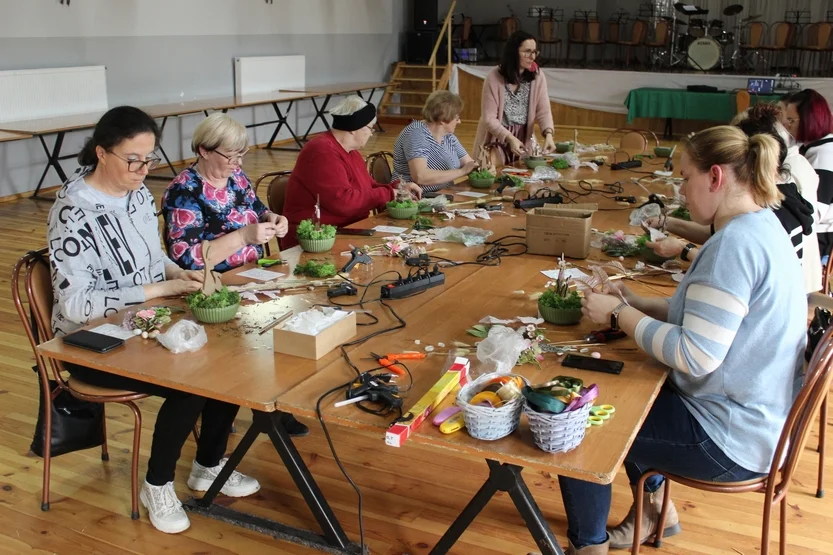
[(734, 9), (750, 18)]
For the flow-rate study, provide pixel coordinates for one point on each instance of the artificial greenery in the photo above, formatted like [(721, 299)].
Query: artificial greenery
[(306, 230), (682, 213), (514, 181), (421, 222), (219, 299), (554, 298), (642, 240), (481, 174), (479, 330), (401, 204), (560, 164), (316, 269)]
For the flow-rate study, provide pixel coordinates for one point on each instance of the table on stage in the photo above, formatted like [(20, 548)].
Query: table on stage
[(674, 104), (267, 383)]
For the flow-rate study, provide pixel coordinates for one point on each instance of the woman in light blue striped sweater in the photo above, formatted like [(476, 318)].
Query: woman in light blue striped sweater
[(733, 336)]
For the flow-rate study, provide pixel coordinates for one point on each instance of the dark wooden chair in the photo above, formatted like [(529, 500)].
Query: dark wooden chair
[(380, 166), (275, 194), (775, 485), (33, 299), (639, 30), (548, 41)]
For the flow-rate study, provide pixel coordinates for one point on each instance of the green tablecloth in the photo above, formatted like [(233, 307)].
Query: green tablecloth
[(683, 104)]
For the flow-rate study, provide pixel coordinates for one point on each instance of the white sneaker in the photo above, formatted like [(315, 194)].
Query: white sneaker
[(238, 484), (164, 508)]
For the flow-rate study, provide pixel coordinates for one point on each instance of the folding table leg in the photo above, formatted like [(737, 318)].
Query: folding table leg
[(162, 150), (53, 160), (319, 113), (503, 477), (283, 121)]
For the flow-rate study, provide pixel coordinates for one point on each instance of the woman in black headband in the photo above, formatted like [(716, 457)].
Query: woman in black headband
[(331, 168)]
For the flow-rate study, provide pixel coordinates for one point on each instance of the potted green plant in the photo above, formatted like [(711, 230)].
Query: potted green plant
[(536, 155), (558, 305), (565, 146), (314, 239), (648, 253), (220, 306), (402, 209), (481, 179)]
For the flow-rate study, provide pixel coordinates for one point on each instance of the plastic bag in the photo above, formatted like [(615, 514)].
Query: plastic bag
[(500, 350), (545, 173), (646, 212), (184, 336), (469, 236)]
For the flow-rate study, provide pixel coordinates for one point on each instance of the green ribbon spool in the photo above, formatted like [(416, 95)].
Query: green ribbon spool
[(543, 401)]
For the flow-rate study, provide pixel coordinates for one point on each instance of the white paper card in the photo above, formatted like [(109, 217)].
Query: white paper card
[(113, 330), (261, 274), (472, 194), (570, 273), (390, 229)]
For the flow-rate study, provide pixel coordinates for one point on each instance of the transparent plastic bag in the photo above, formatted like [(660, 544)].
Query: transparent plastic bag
[(646, 212), (500, 350), (184, 336), (469, 236), (545, 173)]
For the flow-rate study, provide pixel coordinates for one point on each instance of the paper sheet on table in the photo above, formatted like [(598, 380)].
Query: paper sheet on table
[(113, 330), (390, 229), (472, 194), (261, 274), (571, 273), (491, 320)]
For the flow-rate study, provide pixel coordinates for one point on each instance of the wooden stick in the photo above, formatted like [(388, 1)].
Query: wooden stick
[(275, 322)]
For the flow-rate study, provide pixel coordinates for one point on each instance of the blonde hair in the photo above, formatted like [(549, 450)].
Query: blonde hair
[(442, 107), (219, 130), (754, 160)]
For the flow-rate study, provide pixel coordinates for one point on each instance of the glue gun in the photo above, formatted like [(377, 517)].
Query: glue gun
[(358, 256)]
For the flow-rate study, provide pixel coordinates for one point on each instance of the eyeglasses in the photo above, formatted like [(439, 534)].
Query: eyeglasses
[(372, 128), (235, 159), (136, 166), (530, 53)]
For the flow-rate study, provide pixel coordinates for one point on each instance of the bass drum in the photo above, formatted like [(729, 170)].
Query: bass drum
[(704, 53)]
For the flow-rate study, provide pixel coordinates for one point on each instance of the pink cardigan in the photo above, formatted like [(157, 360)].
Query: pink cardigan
[(490, 127)]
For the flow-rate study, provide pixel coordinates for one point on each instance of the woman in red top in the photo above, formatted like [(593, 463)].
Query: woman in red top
[(330, 168)]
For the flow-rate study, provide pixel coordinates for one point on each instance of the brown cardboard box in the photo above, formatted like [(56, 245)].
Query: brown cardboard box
[(558, 228), (314, 346)]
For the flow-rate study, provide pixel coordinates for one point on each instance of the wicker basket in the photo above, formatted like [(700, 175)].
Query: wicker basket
[(486, 422), (558, 433)]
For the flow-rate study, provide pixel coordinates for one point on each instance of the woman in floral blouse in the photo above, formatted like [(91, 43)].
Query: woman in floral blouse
[(214, 201)]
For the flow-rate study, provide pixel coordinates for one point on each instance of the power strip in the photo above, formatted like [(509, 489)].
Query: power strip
[(538, 202), (413, 284)]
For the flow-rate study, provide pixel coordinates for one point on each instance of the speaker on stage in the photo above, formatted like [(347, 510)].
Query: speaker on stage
[(425, 15), (419, 46)]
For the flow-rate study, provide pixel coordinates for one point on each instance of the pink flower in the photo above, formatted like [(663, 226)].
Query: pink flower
[(238, 218), (181, 179), (146, 314), (251, 216), (221, 195), (196, 254), (176, 233), (182, 218), (249, 254), (178, 249)]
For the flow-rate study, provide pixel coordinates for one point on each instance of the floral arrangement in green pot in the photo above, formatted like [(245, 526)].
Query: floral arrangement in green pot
[(402, 209), (314, 238), (559, 305), (220, 306)]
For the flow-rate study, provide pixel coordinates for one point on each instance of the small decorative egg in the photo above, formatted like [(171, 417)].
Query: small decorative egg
[(429, 348), (144, 335), (621, 259), (417, 341), (440, 345), (137, 331), (596, 354)]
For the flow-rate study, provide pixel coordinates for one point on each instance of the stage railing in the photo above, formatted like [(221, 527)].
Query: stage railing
[(446, 29)]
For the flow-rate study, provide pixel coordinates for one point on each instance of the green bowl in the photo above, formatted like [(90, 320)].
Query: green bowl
[(564, 147), (481, 182), (317, 245), (662, 151), (560, 316), (533, 163), (651, 257), (403, 213), (215, 315)]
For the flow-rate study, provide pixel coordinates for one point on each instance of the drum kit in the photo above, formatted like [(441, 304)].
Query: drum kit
[(701, 43)]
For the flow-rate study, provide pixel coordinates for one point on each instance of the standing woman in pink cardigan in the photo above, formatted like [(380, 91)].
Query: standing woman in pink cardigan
[(515, 98)]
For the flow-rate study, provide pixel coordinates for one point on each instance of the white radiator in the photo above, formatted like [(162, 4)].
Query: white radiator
[(44, 93), (264, 74)]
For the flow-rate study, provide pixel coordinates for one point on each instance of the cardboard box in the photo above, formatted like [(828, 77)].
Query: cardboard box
[(315, 346), (455, 376), (560, 228)]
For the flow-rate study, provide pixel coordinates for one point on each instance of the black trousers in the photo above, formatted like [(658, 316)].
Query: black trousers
[(176, 419)]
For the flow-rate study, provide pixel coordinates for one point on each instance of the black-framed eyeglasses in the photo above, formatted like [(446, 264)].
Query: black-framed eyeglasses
[(371, 128), (530, 53), (136, 166), (235, 159)]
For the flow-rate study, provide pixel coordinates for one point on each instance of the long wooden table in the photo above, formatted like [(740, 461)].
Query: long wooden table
[(328, 91), (267, 383), (5, 136)]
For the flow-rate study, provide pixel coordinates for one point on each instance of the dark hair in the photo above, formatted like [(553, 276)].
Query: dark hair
[(509, 67), (816, 120), (117, 125), (762, 119)]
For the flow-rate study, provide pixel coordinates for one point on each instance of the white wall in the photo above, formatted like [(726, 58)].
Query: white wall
[(160, 51)]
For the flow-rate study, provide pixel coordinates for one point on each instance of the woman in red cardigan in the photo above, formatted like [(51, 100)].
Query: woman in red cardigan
[(331, 168), (515, 98)]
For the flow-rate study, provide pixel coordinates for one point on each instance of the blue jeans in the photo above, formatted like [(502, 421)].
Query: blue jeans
[(670, 440)]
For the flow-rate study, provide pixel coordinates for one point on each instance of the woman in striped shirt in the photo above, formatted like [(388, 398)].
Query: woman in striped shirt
[(733, 336), (427, 152)]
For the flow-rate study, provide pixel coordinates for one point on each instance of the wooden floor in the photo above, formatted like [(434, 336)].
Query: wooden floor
[(410, 495)]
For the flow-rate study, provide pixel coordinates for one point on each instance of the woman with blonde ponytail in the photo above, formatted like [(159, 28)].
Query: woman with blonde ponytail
[(733, 336)]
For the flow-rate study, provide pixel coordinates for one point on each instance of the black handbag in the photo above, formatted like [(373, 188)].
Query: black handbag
[(76, 424), (819, 325)]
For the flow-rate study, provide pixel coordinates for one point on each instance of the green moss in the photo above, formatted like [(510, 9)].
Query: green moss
[(220, 299), (306, 230), (481, 174), (316, 269), (552, 299)]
